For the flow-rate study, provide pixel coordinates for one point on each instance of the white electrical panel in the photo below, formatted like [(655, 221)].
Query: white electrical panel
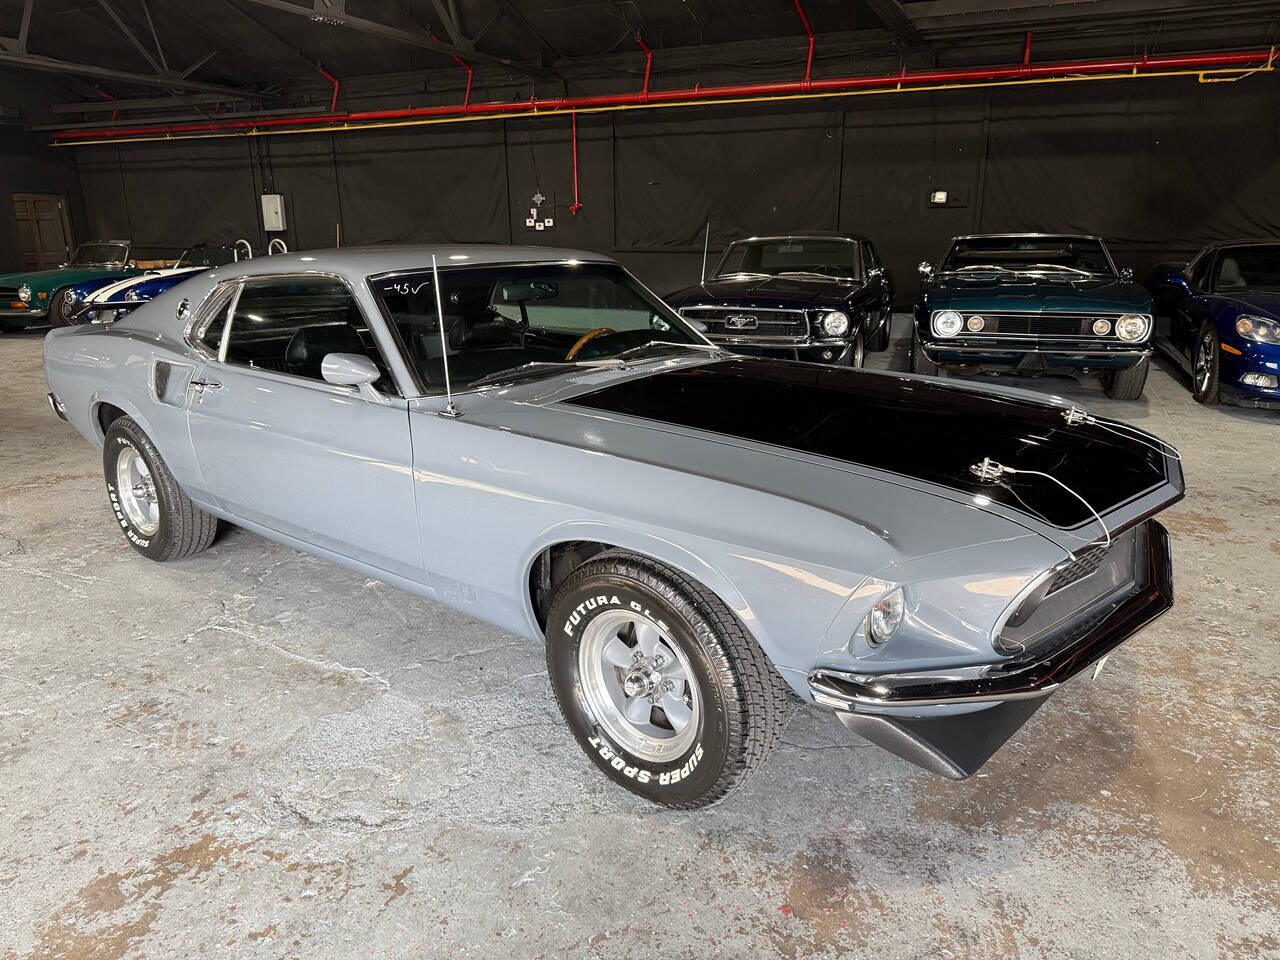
[(272, 211)]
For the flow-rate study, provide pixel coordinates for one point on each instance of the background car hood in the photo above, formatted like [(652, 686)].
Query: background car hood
[(1103, 295), (766, 292), (38, 279), (1260, 304)]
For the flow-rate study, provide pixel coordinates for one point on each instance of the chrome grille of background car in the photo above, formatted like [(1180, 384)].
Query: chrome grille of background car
[(8, 293), (771, 324), (1042, 324)]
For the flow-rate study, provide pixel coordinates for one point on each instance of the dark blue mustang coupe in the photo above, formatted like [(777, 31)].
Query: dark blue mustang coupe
[(1034, 303), (1219, 317)]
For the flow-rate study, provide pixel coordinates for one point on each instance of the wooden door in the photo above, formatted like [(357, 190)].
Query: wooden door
[(43, 230)]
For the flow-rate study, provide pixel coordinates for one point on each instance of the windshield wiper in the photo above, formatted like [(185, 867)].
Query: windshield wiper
[(742, 275), (1056, 266), (540, 367), (630, 351), (812, 273), (984, 267)]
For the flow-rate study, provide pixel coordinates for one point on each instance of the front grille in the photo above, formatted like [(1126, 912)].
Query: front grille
[(1084, 564), (1043, 324), (756, 323), (8, 293)]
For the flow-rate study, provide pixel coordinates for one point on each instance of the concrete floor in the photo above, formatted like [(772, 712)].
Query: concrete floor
[(255, 754)]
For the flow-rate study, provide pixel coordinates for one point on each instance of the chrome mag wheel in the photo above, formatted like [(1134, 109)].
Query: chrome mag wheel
[(639, 686), (137, 492), (1204, 363)]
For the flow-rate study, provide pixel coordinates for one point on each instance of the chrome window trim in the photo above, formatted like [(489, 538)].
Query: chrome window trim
[(200, 318)]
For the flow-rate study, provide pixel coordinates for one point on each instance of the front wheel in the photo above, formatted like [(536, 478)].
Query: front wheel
[(1206, 367), (662, 686), (858, 352), (1129, 383), (157, 518), (920, 362)]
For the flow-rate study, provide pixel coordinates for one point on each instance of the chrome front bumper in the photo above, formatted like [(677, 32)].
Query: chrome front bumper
[(893, 710)]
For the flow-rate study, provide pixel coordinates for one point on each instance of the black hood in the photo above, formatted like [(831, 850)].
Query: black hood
[(758, 291), (922, 429)]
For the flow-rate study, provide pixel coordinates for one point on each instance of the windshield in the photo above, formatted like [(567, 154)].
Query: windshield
[(1028, 254), (205, 256), (504, 323), (1249, 268), (92, 254), (824, 256)]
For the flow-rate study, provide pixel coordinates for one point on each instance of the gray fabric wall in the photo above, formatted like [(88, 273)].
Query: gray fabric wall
[(1157, 166)]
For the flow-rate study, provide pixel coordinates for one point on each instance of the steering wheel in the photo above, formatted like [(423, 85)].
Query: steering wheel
[(587, 338)]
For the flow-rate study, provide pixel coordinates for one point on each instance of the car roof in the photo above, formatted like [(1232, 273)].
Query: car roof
[(1221, 244), (390, 258), (1027, 233), (806, 235)]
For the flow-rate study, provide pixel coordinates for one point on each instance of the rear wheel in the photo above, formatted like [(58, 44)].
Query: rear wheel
[(157, 518), (1206, 366), (661, 684), (1127, 384), (920, 362)]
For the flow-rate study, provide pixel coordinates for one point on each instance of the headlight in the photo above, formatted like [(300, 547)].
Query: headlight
[(885, 618), (1259, 329), (1132, 327), (947, 323), (24, 293), (835, 324)]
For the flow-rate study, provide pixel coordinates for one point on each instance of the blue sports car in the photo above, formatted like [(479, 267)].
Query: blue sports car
[(101, 301), (1219, 317)]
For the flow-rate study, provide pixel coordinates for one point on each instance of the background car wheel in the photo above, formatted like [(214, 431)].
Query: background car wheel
[(60, 309), (920, 363), (880, 342), (662, 686), (157, 518), (858, 352), (1206, 366), (1127, 384)]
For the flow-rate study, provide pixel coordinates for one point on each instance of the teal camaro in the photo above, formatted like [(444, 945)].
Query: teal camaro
[(1034, 303), (29, 296)]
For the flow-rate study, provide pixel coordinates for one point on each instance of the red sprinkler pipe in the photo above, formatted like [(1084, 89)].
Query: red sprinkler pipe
[(1026, 52), (466, 98), (648, 64), (576, 205), (337, 85), (904, 80), (808, 66)]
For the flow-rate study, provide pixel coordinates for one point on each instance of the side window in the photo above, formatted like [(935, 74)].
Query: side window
[(214, 317), (290, 324)]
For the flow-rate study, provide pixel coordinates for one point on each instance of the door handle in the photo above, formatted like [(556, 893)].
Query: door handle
[(200, 386)]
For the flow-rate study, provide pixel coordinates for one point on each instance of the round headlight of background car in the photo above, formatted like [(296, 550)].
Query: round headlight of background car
[(24, 293), (947, 323), (1132, 327), (885, 618), (835, 323), (1259, 329)]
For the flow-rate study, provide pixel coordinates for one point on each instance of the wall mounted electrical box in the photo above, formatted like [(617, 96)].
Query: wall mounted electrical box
[(272, 211)]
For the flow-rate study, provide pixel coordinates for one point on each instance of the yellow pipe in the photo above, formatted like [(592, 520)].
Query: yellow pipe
[(1224, 74)]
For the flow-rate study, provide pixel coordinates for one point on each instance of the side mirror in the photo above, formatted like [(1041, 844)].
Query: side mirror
[(925, 268), (352, 370), (1126, 273)]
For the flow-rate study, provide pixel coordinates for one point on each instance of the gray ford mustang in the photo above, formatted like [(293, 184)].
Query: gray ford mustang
[(695, 536)]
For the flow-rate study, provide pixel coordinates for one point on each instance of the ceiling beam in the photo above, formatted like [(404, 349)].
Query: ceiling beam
[(450, 24), (404, 36), (132, 37), (895, 18), (25, 29), (31, 61), (551, 54)]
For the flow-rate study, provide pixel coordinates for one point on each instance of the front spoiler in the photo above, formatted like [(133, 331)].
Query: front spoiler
[(893, 710)]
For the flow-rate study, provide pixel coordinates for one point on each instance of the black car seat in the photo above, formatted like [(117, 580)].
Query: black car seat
[(1229, 275), (310, 345)]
